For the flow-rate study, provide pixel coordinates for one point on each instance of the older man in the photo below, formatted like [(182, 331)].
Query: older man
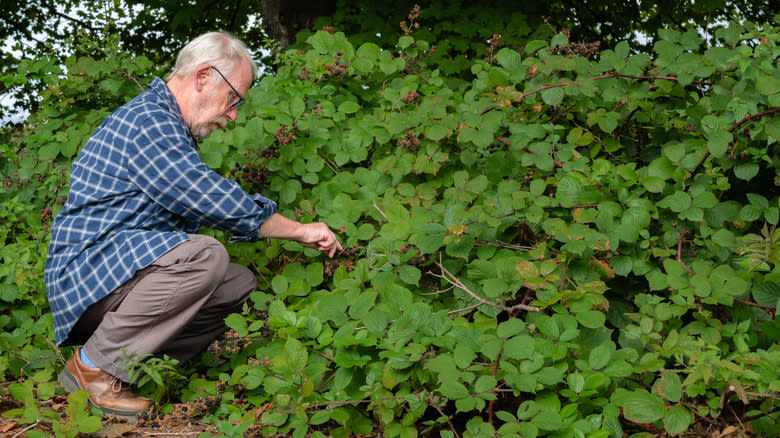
[(126, 272)]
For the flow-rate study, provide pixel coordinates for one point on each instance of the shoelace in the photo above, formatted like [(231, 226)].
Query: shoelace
[(116, 384)]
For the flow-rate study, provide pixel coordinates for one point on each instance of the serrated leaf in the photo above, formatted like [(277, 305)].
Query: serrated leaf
[(509, 59), (453, 390), (553, 96), (643, 407), (622, 265), (349, 107), (746, 171), (677, 420), (591, 319), (547, 420), (600, 356), (669, 386), (409, 274)]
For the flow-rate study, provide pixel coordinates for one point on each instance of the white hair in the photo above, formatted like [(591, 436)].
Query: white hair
[(220, 49)]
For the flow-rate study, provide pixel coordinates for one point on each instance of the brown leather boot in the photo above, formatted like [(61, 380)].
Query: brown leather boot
[(106, 392)]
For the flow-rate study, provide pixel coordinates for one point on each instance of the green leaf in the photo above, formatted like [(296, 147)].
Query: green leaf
[(90, 424), (547, 420), (746, 171), (669, 386), (453, 390), (237, 322), (349, 107), (553, 96), (654, 184), (8, 292), (509, 59), (437, 132), (677, 202), (463, 355), (677, 420), (591, 319), (405, 41), (409, 274), (643, 407), (510, 328), (600, 356), (622, 265)]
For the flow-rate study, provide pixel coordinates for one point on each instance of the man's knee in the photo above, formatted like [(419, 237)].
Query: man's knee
[(212, 260)]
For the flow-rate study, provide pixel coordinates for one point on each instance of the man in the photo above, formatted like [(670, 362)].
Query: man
[(126, 274)]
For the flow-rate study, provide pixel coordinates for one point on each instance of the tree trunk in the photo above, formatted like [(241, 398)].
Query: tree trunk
[(283, 19)]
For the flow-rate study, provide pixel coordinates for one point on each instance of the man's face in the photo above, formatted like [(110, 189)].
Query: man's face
[(221, 93)]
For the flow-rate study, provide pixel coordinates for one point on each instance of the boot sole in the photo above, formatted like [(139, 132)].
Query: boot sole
[(70, 384)]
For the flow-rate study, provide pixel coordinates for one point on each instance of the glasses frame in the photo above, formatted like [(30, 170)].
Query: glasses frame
[(240, 99)]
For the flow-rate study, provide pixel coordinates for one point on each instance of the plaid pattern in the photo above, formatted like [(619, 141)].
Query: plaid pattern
[(137, 188)]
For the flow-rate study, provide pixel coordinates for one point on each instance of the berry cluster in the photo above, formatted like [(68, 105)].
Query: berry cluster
[(330, 266), (250, 176), (304, 76), (339, 69), (416, 261), (410, 142), (585, 50), (344, 259), (410, 97), (229, 344), (284, 135), (150, 419)]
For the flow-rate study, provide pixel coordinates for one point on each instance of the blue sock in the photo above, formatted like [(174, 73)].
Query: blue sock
[(86, 360)]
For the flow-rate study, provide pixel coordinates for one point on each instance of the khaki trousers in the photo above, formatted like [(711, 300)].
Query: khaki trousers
[(175, 306)]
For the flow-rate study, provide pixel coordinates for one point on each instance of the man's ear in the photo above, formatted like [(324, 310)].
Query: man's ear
[(201, 76)]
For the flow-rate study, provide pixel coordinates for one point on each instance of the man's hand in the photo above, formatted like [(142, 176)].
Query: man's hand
[(321, 238), (315, 235)]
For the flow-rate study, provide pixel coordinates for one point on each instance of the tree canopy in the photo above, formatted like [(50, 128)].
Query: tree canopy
[(53, 30)]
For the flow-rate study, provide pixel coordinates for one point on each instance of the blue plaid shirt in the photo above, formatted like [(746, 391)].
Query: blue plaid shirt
[(137, 188)]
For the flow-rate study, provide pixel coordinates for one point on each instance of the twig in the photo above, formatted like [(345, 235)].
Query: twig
[(325, 355), (330, 164), (126, 74), (435, 406), (380, 210), (679, 253), (753, 116), (501, 244), (455, 281), (32, 426), (464, 309), (761, 306), (759, 394)]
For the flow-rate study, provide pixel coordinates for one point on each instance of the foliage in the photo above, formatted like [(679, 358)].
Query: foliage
[(552, 239)]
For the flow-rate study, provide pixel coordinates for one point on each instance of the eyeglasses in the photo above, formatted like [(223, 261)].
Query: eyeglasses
[(240, 99)]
